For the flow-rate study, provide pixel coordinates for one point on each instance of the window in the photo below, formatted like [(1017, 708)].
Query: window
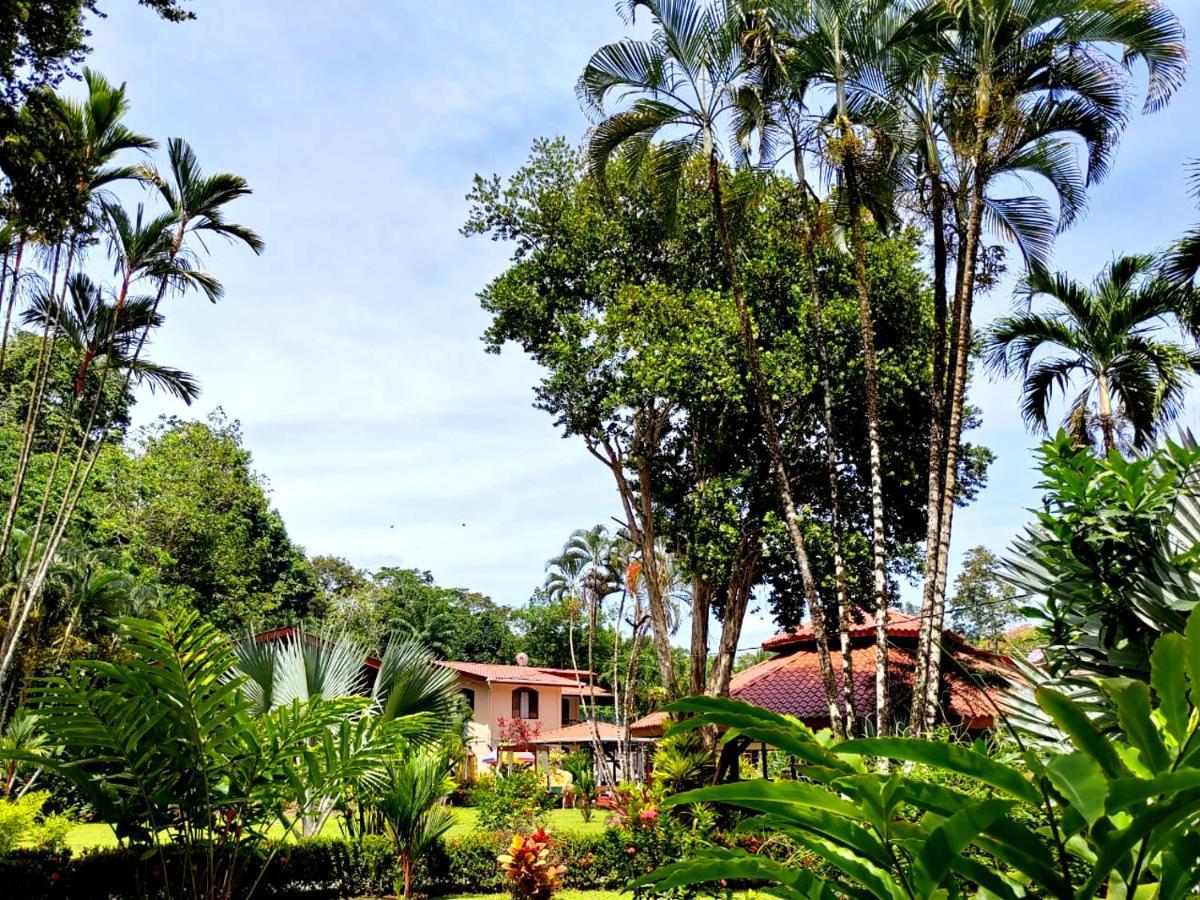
[(469, 696), (566, 712), (525, 704)]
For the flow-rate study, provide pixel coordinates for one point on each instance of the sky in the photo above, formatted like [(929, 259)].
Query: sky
[(350, 350)]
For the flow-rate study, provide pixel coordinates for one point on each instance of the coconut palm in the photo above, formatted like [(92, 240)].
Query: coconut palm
[(1111, 341), (685, 81), (413, 809)]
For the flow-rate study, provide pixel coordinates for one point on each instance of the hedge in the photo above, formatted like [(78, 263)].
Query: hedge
[(320, 868)]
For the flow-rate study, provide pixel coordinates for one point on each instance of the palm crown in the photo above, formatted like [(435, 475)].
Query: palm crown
[(1109, 341)]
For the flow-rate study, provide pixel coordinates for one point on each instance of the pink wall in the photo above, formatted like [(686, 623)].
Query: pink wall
[(500, 706)]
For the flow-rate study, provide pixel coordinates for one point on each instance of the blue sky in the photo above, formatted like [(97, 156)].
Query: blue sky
[(350, 350)]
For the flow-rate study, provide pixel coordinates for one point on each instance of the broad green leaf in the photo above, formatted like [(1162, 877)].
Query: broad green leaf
[(745, 793), (1124, 792), (1192, 636), (714, 864), (948, 840), (1133, 714), (1168, 677), (1078, 777), (1068, 716), (949, 757)]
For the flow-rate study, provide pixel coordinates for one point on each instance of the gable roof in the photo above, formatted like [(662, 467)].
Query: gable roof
[(499, 674)]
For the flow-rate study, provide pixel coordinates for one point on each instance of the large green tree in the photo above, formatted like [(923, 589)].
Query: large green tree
[(188, 510)]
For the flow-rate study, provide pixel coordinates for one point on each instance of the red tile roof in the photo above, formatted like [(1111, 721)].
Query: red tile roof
[(899, 625), (650, 725), (498, 674), (792, 684)]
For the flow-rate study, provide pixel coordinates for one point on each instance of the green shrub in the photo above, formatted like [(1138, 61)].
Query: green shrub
[(23, 821), (511, 802), (336, 868)]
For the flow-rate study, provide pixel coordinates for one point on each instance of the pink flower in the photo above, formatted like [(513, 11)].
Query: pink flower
[(649, 814)]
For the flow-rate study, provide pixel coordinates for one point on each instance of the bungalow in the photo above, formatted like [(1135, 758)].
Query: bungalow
[(541, 699), (790, 682)]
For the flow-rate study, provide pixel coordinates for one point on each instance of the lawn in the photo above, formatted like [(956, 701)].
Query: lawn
[(561, 821)]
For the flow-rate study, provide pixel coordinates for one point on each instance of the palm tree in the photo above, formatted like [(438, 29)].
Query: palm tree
[(411, 803), (427, 621), (1183, 259), (408, 685), (838, 46), (103, 337), (94, 126), (1109, 341), (686, 80), (1020, 84), (776, 108)]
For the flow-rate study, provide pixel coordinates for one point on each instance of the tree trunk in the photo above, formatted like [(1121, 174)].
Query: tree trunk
[(773, 442), (654, 586), (937, 442), (12, 299), (957, 401), (639, 513), (741, 584), (698, 669), (835, 524), (1107, 425), (871, 379)]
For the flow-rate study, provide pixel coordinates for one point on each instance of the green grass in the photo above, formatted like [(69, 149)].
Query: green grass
[(560, 821)]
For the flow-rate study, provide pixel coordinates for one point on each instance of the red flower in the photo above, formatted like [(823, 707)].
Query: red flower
[(649, 814)]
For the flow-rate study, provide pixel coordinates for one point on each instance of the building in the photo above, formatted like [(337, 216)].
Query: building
[(790, 682), (543, 700)]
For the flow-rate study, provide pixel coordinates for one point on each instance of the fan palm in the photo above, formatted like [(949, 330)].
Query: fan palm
[(685, 82), (1111, 341), (300, 666)]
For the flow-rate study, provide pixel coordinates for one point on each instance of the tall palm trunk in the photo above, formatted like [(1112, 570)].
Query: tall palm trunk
[(37, 389), (773, 442), (1107, 425), (871, 382), (964, 296), (12, 298), (835, 506), (937, 440)]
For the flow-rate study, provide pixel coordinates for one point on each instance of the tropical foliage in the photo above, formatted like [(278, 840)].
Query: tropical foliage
[(166, 746), (1094, 816), (1112, 342)]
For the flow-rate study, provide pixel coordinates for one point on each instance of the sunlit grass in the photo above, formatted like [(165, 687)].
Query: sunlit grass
[(560, 821)]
